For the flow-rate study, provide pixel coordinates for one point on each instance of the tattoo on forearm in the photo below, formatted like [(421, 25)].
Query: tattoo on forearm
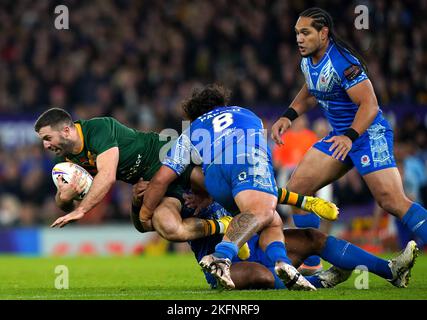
[(242, 228)]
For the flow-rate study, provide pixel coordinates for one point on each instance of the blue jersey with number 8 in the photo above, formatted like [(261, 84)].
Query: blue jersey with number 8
[(217, 137)]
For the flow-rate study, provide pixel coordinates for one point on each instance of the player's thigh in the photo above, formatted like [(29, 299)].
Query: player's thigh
[(217, 182), (387, 188), (251, 275), (253, 184), (271, 232), (167, 216), (256, 202), (316, 170), (302, 243)]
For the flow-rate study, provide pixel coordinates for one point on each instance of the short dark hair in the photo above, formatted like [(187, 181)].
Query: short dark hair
[(53, 117), (205, 99)]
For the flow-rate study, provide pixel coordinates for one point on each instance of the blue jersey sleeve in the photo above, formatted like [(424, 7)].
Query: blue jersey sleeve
[(181, 154), (349, 68)]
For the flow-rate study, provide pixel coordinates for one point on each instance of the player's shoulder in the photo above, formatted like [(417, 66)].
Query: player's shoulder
[(346, 64), (341, 58), (98, 123)]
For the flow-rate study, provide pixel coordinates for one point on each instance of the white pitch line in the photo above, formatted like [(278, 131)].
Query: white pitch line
[(86, 295)]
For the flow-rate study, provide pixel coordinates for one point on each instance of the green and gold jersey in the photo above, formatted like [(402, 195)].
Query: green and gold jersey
[(138, 151)]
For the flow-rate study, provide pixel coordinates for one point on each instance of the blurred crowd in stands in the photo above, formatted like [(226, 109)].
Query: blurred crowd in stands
[(135, 60)]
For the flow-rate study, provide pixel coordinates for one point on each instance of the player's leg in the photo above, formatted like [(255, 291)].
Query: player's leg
[(167, 221), (318, 206), (316, 170), (346, 256), (242, 227), (260, 273), (387, 189), (252, 189), (255, 214), (302, 243), (374, 160), (272, 242), (323, 208)]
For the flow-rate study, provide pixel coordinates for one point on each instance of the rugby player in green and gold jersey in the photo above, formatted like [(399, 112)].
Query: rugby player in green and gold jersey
[(111, 151)]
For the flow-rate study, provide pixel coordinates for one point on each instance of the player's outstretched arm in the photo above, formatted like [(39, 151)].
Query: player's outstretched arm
[(106, 164)]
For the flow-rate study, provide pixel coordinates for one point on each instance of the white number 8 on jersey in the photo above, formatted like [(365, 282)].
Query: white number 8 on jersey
[(222, 121)]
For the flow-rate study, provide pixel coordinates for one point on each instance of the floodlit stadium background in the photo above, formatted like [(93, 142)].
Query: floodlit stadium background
[(135, 60)]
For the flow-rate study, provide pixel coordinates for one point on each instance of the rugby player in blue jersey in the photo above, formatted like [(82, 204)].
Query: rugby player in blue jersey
[(230, 145), (336, 79), (257, 271)]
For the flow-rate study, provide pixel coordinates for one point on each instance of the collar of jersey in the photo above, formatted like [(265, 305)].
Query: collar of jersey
[(80, 132), (331, 43)]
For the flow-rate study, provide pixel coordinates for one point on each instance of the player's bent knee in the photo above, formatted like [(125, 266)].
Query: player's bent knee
[(316, 237), (135, 220), (391, 203), (265, 218)]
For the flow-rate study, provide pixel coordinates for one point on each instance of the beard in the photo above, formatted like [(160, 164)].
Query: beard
[(66, 146)]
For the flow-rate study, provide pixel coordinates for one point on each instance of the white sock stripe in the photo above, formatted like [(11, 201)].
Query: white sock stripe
[(303, 202), (221, 227), (419, 224)]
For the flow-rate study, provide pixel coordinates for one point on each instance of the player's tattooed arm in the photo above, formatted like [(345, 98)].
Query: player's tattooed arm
[(242, 228)]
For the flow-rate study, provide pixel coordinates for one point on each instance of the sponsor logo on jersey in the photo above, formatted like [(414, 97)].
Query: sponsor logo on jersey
[(352, 72)]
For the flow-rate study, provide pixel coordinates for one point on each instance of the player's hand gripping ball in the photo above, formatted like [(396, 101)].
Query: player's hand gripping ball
[(67, 170)]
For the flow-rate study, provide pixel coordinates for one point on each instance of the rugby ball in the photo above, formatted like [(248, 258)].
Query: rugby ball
[(67, 170)]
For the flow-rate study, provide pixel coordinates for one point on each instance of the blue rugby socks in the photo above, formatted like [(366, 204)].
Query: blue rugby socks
[(276, 251), (345, 255), (310, 220), (226, 249), (416, 220)]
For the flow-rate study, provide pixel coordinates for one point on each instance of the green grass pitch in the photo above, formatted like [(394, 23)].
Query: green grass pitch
[(171, 277)]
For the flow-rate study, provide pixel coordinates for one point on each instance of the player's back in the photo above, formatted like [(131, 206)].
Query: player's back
[(138, 151), (225, 132)]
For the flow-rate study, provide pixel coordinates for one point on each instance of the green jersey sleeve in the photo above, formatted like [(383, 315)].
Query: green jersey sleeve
[(100, 135)]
